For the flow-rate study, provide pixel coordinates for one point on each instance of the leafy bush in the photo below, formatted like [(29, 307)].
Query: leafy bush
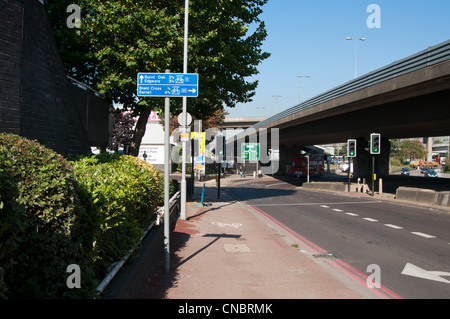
[(125, 192), (54, 213), (50, 215), (10, 219)]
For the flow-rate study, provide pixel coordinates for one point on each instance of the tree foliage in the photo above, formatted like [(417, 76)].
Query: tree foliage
[(402, 150), (412, 149), (123, 123), (119, 39)]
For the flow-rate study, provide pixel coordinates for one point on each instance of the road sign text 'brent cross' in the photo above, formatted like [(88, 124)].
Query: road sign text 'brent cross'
[(167, 84)]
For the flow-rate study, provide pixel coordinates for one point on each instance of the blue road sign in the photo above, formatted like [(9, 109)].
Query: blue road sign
[(167, 84)]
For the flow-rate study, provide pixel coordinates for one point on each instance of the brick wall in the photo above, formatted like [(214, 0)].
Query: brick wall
[(10, 57), (36, 98)]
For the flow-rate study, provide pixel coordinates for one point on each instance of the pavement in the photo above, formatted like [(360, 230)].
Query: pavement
[(226, 250)]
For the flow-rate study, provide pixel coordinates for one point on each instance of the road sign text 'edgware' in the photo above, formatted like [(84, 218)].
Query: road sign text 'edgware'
[(167, 84)]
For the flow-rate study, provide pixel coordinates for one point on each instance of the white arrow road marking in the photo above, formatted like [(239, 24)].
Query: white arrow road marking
[(414, 271)]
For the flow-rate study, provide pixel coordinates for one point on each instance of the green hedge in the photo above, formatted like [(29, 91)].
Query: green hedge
[(125, 192), (54, 213), (48, 210)]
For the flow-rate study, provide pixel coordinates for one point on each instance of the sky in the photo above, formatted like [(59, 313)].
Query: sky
[(308, 38)]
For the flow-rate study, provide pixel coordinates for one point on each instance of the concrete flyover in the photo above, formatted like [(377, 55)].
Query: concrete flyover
[(408, 98)]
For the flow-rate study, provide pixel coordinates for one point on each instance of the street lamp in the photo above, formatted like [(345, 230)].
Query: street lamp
[(303, 86), (276, 101), (355, 39)]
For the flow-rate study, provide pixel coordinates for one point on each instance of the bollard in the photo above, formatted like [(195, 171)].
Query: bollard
[(203, 193)]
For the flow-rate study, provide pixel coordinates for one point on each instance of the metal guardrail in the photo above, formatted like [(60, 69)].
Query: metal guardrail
[(433, 55)]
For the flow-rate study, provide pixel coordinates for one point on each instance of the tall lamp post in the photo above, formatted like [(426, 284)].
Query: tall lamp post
[(303, 86), (184, 146), (276, 102), (355, 39)]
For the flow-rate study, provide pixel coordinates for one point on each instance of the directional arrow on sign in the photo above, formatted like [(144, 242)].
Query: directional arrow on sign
[(414, 271)]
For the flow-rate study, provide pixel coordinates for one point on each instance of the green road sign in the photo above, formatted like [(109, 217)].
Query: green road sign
[(250, 151)]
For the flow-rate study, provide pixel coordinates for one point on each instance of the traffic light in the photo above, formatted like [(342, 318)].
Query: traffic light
[(220, 148), (375, 143), (351, 148), (195, 147)]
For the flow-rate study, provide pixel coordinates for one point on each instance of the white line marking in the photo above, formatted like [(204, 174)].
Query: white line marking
[(338, 210), (423, 235), (311, 204), (275, 184), (324, 206), (393, 226), (370, 219), (352, 214)]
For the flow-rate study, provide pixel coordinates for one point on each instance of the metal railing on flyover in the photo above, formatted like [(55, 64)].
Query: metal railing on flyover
[(430, 56)]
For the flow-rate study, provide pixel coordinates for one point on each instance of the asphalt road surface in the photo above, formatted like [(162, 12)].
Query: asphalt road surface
[(403, 251)]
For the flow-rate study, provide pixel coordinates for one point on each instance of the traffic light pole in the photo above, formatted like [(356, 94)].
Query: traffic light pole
[(218, 180), (373, 175), (192, 167), (349, 172)]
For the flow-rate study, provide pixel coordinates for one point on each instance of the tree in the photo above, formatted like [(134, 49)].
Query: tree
[(412, 149), (215, 120), (119, 39), (123, 128)]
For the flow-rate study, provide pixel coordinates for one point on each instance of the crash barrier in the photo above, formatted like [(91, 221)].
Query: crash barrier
[(327, 186), (423, 196)]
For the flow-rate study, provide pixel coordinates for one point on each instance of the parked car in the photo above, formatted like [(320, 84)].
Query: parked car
[(424, 170), (405, 171), (431, 173)]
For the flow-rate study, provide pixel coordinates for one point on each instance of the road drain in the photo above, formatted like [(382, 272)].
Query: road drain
[(326, 256)]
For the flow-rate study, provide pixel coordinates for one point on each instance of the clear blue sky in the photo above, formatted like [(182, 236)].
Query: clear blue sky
[(307, 37)]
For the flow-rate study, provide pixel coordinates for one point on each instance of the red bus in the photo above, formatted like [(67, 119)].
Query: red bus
[(299, 163)]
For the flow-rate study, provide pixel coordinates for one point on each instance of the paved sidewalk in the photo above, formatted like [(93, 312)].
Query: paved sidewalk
[(226, 251)]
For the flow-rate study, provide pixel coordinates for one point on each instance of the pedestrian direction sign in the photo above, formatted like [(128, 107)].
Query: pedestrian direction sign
[(250, 151), (167, 84)]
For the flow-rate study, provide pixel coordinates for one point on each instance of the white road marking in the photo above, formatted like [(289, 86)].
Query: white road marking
[(370, 219), (338, 210), (324, 206), (275, 184), (352, 214), (412, 270), (234, 225), (311, 204), (423, 235), (393, 226)]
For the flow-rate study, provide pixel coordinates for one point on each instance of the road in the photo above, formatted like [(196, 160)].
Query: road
[(402, 248)]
